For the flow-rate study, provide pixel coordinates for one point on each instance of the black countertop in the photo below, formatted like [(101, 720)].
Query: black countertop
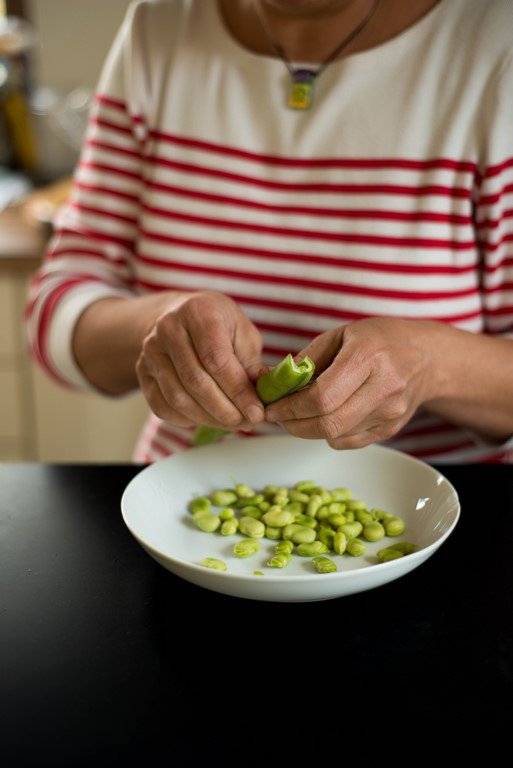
[(105, 655)]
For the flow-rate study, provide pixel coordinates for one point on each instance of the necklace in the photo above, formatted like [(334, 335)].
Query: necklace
[(303, 80)]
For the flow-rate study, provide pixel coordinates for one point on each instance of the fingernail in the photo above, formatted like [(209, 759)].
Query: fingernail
[(255, 413)]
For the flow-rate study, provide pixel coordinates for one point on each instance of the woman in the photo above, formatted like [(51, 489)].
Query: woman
[(327, 177)]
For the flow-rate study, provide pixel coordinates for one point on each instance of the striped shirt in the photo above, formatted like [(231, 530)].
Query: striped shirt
[(391, 196)]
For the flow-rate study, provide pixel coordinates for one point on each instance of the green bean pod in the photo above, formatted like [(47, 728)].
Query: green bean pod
[(285, 378)]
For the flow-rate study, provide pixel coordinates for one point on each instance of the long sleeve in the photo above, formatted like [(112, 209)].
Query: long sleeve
[(494, 207), (91, 252)]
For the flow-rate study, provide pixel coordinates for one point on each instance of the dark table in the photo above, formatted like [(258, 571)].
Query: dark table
[(105, 656)]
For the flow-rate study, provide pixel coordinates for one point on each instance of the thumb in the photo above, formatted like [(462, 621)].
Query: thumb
[(323, 349)]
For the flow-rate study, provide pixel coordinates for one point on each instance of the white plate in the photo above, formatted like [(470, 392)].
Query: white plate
[(154, 507)]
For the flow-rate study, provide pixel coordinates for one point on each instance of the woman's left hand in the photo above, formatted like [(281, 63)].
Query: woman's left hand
[(374, 374)]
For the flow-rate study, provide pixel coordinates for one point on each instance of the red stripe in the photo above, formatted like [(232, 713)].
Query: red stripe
[(373, 163), (63, 252), (164, 430), (44, 320), (342, 315), (54, 254), (429, 430), (433, 452), (112, 148), (493, 170), (372, 189), (495, 198), (132, 220), (323, 162), (346, 213), (307, 283), (109, 101), (490, 247), (286, 329), (494, 223), (506, 310), (444, 269), (102, 123), (400, 242), (109, 169), (103, 237), (106, 191)]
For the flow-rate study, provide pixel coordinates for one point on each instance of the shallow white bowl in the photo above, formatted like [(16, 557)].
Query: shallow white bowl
[(154, 507)]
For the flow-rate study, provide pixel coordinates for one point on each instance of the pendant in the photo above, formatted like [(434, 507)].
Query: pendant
[(302, 89)]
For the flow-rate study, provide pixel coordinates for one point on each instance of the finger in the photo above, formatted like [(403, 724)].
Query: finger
[(351, 416), (334, 387), (196, 381), (158, 403), (225, 359), (247, 346), (357, 440), (172, 400)]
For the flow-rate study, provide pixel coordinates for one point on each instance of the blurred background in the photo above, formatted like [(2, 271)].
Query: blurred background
[(51, 54)]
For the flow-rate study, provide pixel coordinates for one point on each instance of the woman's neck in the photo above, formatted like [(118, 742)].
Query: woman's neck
[(310, 32)]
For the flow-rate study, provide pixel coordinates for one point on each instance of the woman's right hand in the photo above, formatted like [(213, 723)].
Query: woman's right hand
[(198, 362)]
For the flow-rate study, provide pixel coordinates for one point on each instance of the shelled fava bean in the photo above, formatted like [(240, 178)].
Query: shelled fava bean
[(315, 520)]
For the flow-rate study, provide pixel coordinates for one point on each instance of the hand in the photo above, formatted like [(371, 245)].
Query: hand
[(374, 375), (197, 363)]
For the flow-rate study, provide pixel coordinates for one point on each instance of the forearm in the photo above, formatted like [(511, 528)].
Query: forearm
[(472, 383), (108, 337)]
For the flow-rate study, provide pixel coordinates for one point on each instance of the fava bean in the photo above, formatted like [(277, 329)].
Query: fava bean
[(227, 514), (280, 560), (314, 548), (223, 498), (277, 517), (255, 529), (299, 534), (200, 504), (284, 547), (351, 530), (324, 565), (394, 526), (229, 527), (373, 531), (206, 522), (246, 548), (273, 533), (213, 562), (339, 543), (355, 547)]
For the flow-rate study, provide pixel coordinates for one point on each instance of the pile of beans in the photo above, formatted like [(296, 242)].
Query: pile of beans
[(309, 517)]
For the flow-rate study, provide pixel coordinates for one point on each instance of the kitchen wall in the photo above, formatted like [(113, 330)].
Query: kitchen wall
[(74, 38)]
